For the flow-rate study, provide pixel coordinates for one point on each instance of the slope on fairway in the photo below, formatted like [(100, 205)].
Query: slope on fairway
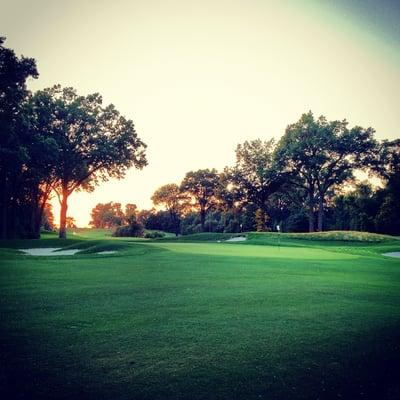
[(201, 321)]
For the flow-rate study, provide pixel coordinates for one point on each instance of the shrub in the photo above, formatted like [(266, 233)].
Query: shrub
[(154, 235), (134, 229)]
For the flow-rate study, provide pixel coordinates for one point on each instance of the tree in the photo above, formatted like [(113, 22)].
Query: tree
[(131, 212), (388, 167), (133, 229), (171, 197), (230, 199), (286, 208), (355, 210), (70, 222), (144, 215), (388, 218), (160, 220), (320, 155), (201, 186), (387, 161), (107, 215), (257, 175), (14, 142), (94, 142), (48, 218), (38, 173)]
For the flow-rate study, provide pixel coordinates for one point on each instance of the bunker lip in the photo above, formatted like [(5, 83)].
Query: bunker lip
[(236, 239), (395, 254), (57, 251)]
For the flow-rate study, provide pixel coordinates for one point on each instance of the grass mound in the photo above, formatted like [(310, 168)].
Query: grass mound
[(97, 246), (343, 236)]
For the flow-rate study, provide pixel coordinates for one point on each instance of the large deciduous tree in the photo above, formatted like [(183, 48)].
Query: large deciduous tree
[(230, 198), (388, 168), (107, 215), (94, 142), (321, 155), (387, 161), (47, 222), (257, 175), (14, 141), (174, 201), (39, 172), (131, 212), (201, 186)]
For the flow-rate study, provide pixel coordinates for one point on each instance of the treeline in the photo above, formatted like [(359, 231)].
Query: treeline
[(305, 182), (55, 141), (52, 143)]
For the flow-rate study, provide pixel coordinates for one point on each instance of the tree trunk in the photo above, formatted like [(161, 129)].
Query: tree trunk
[(38, 212), (34, 227), (310, 212), (320, 213), (175, 222), (202, 219), (224, 218), (63, 215), (260, 220)]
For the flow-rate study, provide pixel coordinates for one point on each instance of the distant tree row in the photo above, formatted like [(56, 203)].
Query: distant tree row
[(54, 141), (306, 181), (109, 215)]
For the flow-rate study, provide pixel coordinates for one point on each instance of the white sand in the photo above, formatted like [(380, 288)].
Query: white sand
[(49, 251), (394, 254), (52, 251), (236, 239)]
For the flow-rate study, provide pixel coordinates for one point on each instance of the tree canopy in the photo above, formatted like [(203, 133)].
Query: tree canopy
[(94, 142), (171, 197), (256, 174), (319, 154), (201, 186), (107, 215), (17, 147)]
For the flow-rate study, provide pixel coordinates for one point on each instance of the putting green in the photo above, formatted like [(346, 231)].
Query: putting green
[(267, 252)]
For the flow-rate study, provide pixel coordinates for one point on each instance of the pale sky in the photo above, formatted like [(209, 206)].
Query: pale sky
[(199, 77)]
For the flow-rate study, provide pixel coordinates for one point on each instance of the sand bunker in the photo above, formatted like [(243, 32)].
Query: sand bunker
[(393, 254), (236, 239), (49, 251), (52, 251)]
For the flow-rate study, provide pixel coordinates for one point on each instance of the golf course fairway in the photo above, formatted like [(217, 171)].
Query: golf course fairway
[(181, 319)]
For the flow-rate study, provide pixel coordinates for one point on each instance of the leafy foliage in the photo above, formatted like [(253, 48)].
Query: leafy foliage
[(18, 216), (154, 235), (201, 186), (94, 142), (171, 197), (134, 229), (108, 215), (320, 155), (255, 173)]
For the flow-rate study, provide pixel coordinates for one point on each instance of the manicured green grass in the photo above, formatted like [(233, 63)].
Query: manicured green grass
[(87, 233), (345, 236), (162, 319)]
